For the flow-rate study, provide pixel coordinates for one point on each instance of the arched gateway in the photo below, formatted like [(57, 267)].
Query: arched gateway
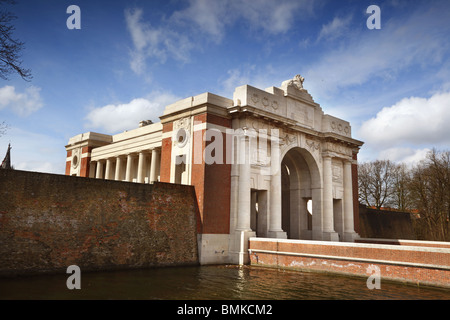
[(267, 163), (300, 182)]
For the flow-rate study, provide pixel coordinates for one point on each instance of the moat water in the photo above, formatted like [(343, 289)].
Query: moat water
[(212, 283)]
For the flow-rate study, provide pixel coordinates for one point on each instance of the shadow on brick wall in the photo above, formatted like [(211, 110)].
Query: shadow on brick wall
[(48, 222), (385, 224)]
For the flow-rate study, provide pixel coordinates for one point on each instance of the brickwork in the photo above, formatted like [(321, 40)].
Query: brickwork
[(49, 222), (166, 159), (423, 265), (68, 164), (385, 224), (84, 167), (212, 182)]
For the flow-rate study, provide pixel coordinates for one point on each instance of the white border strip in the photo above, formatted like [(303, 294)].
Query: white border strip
[(355, 245), (406, 241)]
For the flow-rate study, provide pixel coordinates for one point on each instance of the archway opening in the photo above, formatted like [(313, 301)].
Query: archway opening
[(300, 187)]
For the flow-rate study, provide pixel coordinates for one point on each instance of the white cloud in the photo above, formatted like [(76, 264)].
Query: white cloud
[(212, 17), (209, 17), (22, 104), (415, 121), (203, 21), (151, 42), (259, 77), (408, 156), (274, 17), (419, 40), (236, 78), (114, 118), (335, 29), (31, 154)]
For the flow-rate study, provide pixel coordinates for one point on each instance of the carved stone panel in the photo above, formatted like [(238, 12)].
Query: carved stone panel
[(248, 95), (339, 148), (300, 112), (336, 125), (337, 172)]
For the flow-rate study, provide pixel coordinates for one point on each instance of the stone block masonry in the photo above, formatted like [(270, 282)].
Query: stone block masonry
[(48, 222)]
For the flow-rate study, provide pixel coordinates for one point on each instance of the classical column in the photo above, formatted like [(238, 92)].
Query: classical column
[(327, 200), (244, 201), (141, 167), (119, 163), (92, 166), (154, 166), (349, 231), (275, 230), (99, 170), (129, 169), (253, 212), (108, 175)]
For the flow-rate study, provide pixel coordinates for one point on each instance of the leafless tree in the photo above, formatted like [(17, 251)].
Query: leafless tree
[(376, 182), (10, 48), (401, 194), (430, 192), (424, 188)]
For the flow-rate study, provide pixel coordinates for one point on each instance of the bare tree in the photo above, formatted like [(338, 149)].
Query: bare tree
[(376, 182), (11, 48), (424, 187), (430, 192), (401, 195)]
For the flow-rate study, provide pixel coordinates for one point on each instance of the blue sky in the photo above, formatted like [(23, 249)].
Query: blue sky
[(131, 58)]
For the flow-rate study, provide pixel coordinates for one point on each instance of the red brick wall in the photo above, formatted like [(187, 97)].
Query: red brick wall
[(429, 266), (68, 163), (85, 161), (217, 192), (212, 182), (49, 222), (198, 176), (385, 224), (85, 166), (166, 154), (86, 149)]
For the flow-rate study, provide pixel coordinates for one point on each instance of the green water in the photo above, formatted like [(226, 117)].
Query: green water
[(211, 283)]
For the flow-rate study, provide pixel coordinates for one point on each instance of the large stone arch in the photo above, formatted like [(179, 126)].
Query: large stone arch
[(301, 182)]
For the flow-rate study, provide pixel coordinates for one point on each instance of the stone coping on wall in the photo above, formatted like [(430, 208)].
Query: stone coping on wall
[(357, 244), (405, 242)]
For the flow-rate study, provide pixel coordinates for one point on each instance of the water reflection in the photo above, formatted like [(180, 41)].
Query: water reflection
[(211, 283)]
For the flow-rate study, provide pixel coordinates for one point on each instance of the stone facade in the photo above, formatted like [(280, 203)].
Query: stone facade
[(267, 163)]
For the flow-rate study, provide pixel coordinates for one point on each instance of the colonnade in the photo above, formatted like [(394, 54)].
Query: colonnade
[(140, 167), (244, 187), (329, 225)]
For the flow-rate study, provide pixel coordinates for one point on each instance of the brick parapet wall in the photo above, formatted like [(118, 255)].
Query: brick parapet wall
[(385, 224), (425, 265), (48, 222)]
